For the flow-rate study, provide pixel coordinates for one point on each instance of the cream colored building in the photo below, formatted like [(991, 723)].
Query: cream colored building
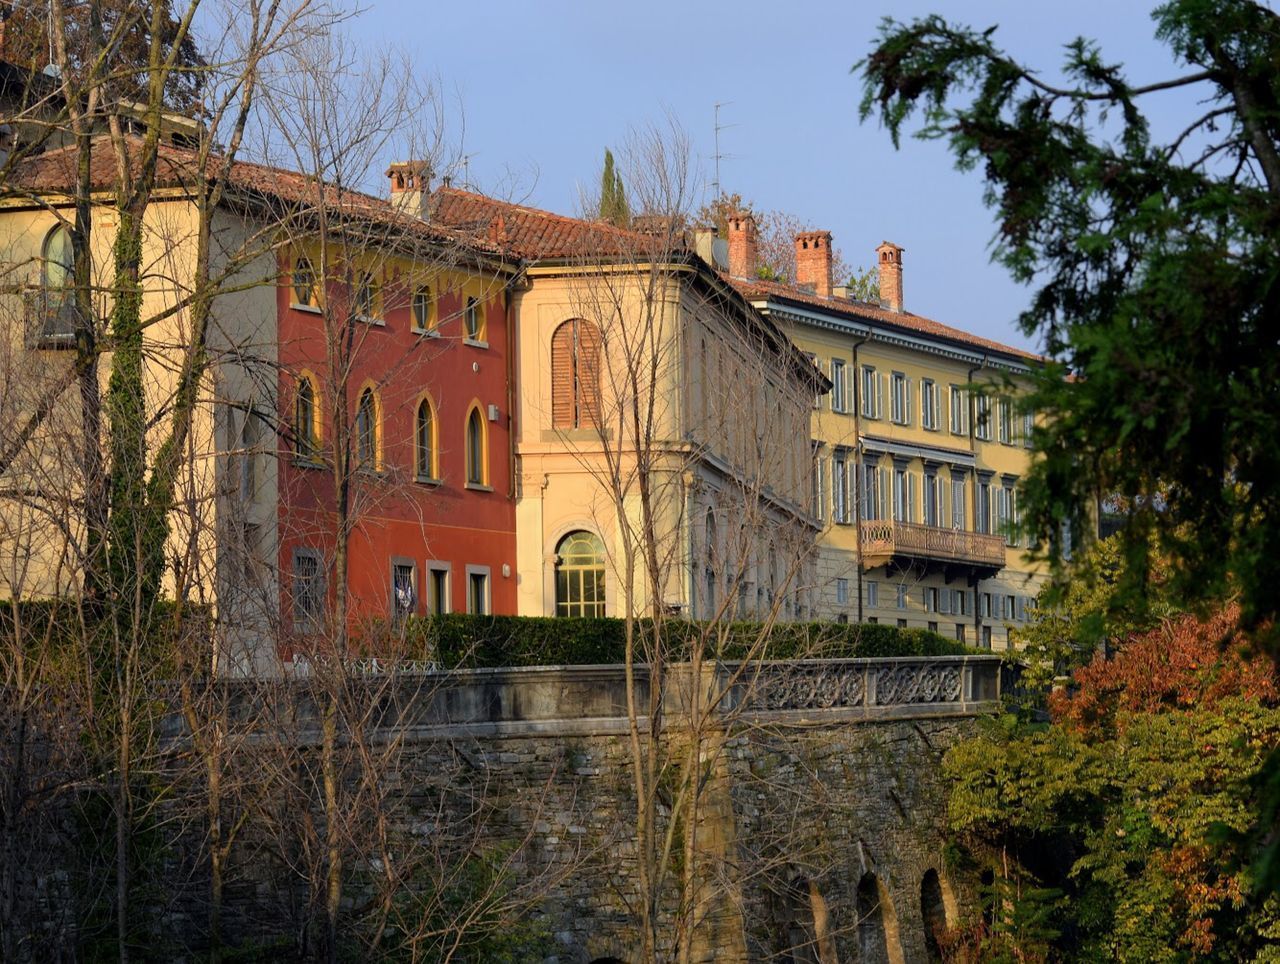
[(639, 369), (919, 450)]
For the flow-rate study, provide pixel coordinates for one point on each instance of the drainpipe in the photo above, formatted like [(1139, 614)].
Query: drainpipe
[(857, 464), (973, 450)]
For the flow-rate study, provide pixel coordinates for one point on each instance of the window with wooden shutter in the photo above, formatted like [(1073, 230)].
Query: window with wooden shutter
[(575, 375)]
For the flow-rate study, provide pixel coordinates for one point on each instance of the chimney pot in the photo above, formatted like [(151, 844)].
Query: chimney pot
[(813, 261), (744, 245), (889, 260), (410, 186)]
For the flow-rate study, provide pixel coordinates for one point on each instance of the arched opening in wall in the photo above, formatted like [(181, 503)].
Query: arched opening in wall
[(933, 913), (877, 924), (710, 576), (987, 889), (580, 575), (607, 960)]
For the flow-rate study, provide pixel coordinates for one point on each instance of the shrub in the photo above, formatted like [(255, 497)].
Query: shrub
[(462, 640)]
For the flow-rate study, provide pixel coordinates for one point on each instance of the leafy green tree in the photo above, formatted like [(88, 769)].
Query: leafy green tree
[(613, 194), (1115, 832), (1158, 265)]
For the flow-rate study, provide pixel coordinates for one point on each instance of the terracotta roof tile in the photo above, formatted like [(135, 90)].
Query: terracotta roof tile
[(55, 171), (756, 290)]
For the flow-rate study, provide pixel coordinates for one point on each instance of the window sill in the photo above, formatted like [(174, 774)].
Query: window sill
[(307, 462), (428, 480), (309, 309), (474, 343), (370, 320), (426, 332), (479, 487)]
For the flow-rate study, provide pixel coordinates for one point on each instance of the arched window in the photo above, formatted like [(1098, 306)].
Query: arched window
[(575, 375), (366, 297), (367, 430), (476, 467), (473, 319), (933, 911), (306, 421), (425, 442), (423, 309), (58, 269), (580, 575), (305, 291)]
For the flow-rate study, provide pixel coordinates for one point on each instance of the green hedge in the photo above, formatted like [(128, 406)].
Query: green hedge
[(459, 640)]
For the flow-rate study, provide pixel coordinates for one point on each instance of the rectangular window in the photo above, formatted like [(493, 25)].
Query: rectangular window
[(1005, 421), (986, 637), (982, 520), (870, 491), (1010, 606), (932, 500), (931, 599), (404, 590), (904, 495), (902, 596), (813, 359), (438, 588), (838, 386), (819, 487), (986, 605), (839, 488), (900, 398), (1008, 515), (1028, 429), (308, 589), (959, 411), (873, 594), (870, 392), (929, 404), (842, 592), (933, 626), (478, 590), (902, 624), (957, 503), (982, 417), (960, 632)]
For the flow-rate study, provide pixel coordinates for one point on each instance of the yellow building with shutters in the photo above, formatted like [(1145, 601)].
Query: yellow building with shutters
[(918, 450)]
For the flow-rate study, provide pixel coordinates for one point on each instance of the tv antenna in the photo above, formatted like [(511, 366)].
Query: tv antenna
[(717, 156), (466, 169)]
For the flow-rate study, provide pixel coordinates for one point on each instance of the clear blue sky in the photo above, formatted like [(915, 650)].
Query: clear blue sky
[(545, 86)]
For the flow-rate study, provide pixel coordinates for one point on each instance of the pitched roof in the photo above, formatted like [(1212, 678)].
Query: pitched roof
[(55, 171), (905, 321), (530, 232)]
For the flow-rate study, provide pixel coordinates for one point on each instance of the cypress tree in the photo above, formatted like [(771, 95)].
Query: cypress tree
[(613, 195)]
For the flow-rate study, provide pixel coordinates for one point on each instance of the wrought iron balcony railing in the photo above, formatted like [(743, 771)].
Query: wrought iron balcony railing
[(883, 539)]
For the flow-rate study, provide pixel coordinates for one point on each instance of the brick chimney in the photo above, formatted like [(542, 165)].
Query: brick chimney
[(410, 186), (813, 262), (889, 257), (744, 245)]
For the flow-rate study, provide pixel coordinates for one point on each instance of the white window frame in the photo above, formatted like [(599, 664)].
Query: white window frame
[(929, 404), (873, 594), (959, 402), (899, 399), (840, 488), (982, 417), (842, 591), (1004, 420), (871, 392), (839, 387)]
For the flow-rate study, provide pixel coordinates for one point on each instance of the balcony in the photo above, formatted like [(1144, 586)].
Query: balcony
[(52, 319), (885, 540)]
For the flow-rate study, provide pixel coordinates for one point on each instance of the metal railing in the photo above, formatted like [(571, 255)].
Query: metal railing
[(883, 538)]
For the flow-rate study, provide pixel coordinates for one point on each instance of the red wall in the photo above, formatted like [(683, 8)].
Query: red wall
[(394, 515)]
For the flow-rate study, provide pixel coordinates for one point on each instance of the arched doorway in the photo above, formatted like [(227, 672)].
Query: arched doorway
[(877, 924)]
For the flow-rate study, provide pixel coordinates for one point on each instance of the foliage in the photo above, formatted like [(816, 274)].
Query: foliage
[(613, 194), (1132, 802), (1078, 617), (461, 640), (1159, 274)]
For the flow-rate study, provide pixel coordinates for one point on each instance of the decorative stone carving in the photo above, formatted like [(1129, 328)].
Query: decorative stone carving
[(810, 687), (917, 683)]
